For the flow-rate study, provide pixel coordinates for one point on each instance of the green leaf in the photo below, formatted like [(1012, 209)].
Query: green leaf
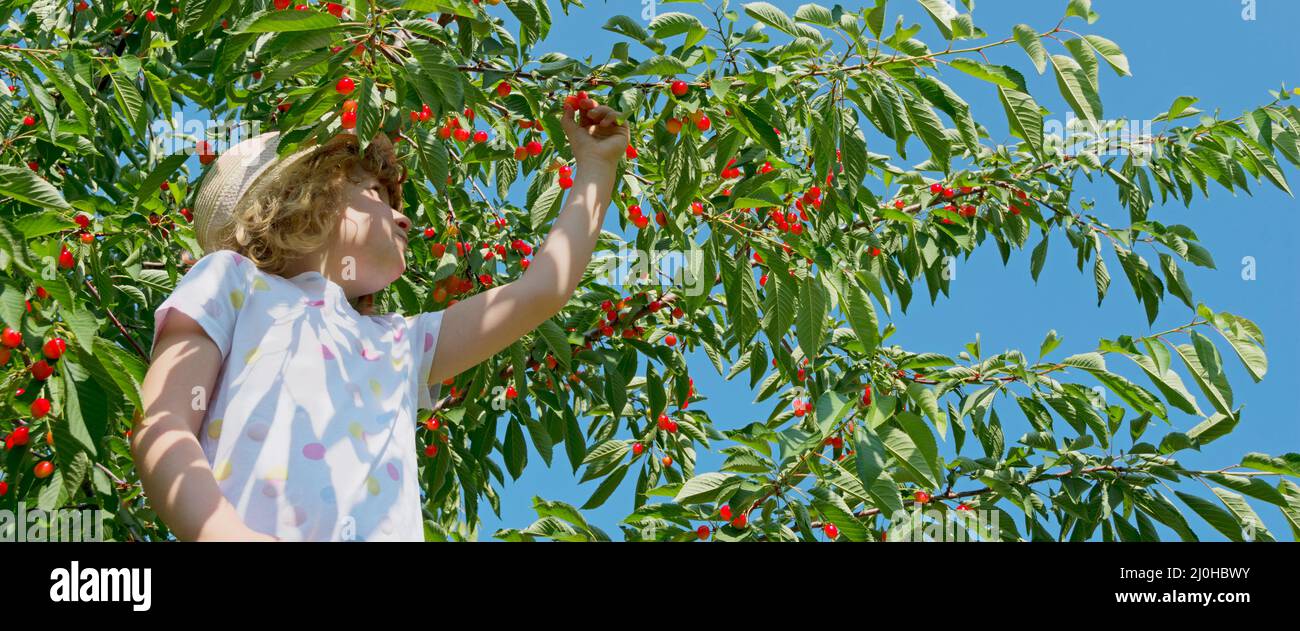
[(515, 450), (41, 224), (1049, 344), (286, 21), (705, 487), (942, 13), (770, 15), (1245, 515), (1026, 120), (1082, 9), (927, 126), (1075, 87), (1110, 52), (1028, 39), (166, 167), (810, 321), (913, 445), (555, 338), (1220, 519), (1246, 341), (861, 316), (607, 487), (1004, 76), (1288, 464), (26, 186)]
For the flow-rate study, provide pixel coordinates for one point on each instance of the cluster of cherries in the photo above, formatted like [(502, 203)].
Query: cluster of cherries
[(638, 219), (52, 349)]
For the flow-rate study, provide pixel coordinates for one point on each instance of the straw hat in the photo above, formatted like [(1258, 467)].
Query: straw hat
[(239, 175)]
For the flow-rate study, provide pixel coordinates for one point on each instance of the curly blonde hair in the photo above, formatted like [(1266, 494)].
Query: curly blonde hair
[(299, 209)]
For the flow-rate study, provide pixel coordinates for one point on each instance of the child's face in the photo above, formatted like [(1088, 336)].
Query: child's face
[(372, 233)]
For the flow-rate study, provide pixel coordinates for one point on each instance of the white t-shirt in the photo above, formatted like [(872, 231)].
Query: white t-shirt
[(311, 431)]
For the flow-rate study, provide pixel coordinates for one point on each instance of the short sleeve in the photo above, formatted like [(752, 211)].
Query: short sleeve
[(426, 327), (212, 292)]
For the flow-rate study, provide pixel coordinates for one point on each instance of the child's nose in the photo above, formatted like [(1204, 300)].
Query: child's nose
[(404, 223)]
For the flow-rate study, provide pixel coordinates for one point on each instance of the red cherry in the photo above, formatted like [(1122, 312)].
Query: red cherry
[(631, 152), (637, 449), (348, 120), (899, 204), (936, 188), (44, 468), (511, 393), (480, 136), (40, 407), (832, 532), (702, 532), (703, 124), (345, 85), (41, 293), (4, 488), (66, 260), (204, 149), (741, 520), (521, 153), (335, 9), (18, 438), (680, 88), (668, 461), (503, 89), (282, 4), (678, 313), (150, 16), (921, 497), (349, 105), (670, 340), (83, 221), (34, 165), (484, 279), (641, 221), (534, 148), (963, 506), (674, 126), (11, 338), (54, 348), (41, 370), (431, 450), (566, 182)]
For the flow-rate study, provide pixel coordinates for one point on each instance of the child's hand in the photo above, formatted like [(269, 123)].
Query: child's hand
[(604, 140)]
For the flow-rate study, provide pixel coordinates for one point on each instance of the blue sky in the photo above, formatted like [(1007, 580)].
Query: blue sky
[(1204, 49)]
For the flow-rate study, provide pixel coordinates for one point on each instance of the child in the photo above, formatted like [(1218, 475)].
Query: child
[(276, 406)]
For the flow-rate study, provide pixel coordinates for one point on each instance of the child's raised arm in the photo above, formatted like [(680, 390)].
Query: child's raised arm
[(479, 327), (164, 442)]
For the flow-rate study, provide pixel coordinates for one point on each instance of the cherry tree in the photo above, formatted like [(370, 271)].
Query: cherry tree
[(802, 243)]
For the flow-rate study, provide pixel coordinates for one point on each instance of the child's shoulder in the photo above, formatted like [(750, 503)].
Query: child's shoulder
[(222, 257)]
